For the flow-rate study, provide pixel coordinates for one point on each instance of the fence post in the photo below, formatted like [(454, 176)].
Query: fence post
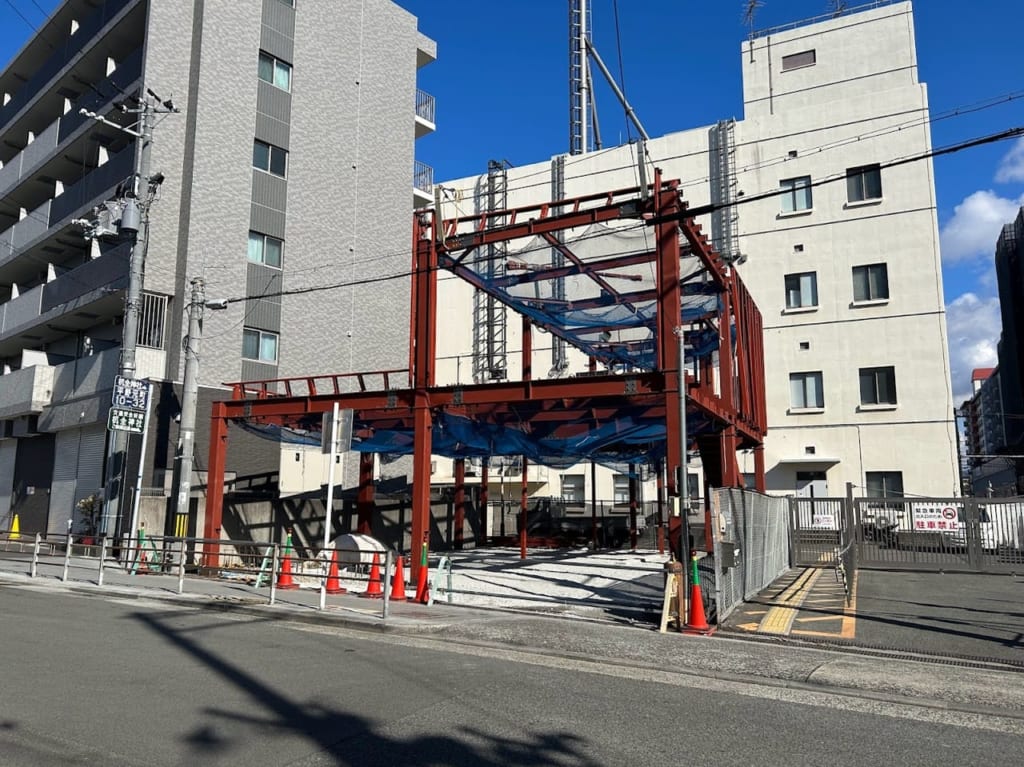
[(67, 555), (181, 565), (34, 570), (388, 576), (103, 556), (273, 574)]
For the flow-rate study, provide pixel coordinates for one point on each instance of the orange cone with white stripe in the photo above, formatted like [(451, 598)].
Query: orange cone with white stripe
[(375, 588)]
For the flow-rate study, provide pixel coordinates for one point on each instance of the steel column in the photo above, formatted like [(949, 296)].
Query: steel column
[(460, 501), (366, 495), (484, 501), (215, 484), (522, 510)]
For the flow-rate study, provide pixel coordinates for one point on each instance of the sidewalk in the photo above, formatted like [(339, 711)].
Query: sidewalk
[(573, 634)]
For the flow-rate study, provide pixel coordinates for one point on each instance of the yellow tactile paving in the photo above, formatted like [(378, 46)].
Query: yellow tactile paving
[(779, 619)]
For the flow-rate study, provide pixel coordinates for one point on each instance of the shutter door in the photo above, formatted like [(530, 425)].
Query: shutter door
[(62, 489)]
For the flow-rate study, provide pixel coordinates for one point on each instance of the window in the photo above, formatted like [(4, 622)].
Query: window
[(801, 290), (878, 386), (796, 194), (621, 489), (805, 391), (151, 321), (259, 345), (573, 489), (864, 183), (797, 60), (884, 484), (264, 249), (871, 282), (275, 71), (270, 158)]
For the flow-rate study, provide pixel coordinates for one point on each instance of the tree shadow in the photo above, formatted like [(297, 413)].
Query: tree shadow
[(347, 738)]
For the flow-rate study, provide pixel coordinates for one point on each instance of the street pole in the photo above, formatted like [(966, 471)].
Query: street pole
[(329, 507), (134, 218), (684, 480), (189, 397)]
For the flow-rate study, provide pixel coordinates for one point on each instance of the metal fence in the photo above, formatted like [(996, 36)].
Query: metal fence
[(926, 534), (756, 527), (260, 570)]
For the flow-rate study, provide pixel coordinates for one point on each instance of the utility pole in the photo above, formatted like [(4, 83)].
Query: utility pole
[(134, 215), (189, 398)]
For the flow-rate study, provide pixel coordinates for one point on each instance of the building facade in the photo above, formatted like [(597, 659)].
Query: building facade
[(289, 176), (838, 246)]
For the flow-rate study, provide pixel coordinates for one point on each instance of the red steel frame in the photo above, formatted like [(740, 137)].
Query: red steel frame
[(736, 411)]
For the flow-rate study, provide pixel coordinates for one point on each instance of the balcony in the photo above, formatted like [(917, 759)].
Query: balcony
[(88, 32), (26, 391), (422, 184), (425, 122)]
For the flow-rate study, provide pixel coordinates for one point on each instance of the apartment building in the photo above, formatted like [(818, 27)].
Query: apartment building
[(838, 247), (289, 169)]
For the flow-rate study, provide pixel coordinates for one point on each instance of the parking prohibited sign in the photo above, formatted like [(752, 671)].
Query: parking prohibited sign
[(120, 419)]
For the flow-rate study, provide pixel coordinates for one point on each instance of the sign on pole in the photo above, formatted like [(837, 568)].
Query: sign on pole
[(122, 419), (130, 393)]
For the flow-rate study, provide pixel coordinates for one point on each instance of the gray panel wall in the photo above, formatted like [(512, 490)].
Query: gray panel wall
[(8, 451)]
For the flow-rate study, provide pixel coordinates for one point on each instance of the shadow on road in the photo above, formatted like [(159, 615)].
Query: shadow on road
[(350, 739)]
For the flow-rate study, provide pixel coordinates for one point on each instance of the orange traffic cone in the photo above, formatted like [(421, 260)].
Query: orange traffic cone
[(422, 587), (698, 622), (333, 581), (284, 578), (375, 588), (143, 565), (398, 582)]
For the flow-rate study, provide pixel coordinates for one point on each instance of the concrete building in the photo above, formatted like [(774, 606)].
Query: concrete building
[(987, 472), (838, 246), (288, 175), (1010, 278)]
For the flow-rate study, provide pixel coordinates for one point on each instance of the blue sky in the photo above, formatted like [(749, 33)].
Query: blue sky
[(501, 86)]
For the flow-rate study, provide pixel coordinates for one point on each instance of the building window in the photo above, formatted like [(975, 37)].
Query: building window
[(573, 489), (259, 345), (275, 71), (264, 249), (884, 484), (801, 290), (797, 60), (878, 386), (272, 159), (864, 183), (805, 391), (871, 282), (620, 489), (796, 194), (151, 321)]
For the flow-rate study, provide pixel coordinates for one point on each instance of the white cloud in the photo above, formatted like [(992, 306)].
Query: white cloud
[(972, 325), (1012, 166), (975, 226)]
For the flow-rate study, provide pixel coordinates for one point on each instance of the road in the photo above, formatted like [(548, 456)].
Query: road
[(117, 681)]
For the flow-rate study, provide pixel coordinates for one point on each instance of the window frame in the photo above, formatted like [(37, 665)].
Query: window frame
[(276, 67), (790, 188), (620, 481), (261, 336), (800, 57), (270, 150), (264, 238), (799, 291), (858, 180), (867, 269), (878, 402), (575, 482), (803, 377)]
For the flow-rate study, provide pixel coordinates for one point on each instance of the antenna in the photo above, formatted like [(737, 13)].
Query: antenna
[(750, 12), (838, 7)]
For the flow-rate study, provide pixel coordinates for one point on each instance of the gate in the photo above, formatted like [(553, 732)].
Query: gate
[(940, 534), (819, 529), (981, 535)]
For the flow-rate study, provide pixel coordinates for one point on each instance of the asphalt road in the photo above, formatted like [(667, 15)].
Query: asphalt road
[(141, 682)]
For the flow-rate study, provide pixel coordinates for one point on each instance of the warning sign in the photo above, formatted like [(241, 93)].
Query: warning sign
[(937, 518)]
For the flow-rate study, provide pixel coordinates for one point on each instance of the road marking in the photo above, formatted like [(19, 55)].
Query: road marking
[(818, 618)]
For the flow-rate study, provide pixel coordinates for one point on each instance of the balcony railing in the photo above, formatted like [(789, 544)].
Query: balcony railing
[(422, 177), (425, 106)]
